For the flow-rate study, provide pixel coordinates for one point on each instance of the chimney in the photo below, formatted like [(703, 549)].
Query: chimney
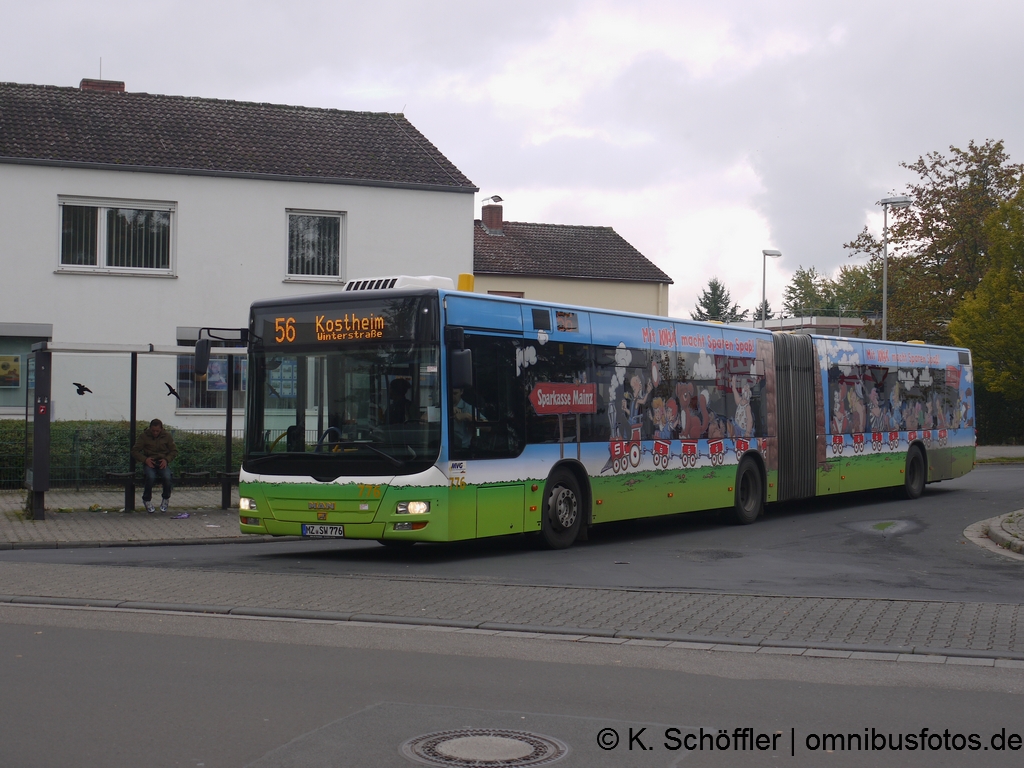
[(491, 215), (108, 86)]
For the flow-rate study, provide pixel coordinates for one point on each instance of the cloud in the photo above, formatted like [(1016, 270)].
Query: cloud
[(525, 357), (701, 133), (704, 369)]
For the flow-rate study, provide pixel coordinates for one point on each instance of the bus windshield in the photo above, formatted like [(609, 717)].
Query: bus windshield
[(339, 408)]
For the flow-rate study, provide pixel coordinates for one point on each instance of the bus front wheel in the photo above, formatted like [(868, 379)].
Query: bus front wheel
[(563, 510), (914, 474), (749, 499)]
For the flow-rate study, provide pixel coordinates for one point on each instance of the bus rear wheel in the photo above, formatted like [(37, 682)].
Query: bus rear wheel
[(749, 499), (563, 510), (914, 474)]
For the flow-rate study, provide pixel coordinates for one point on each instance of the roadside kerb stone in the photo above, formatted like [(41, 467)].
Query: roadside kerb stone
[(109, 527), (991, 630), (1009, 531)]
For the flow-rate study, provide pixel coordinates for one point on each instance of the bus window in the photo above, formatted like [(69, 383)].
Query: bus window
[(487, 420)]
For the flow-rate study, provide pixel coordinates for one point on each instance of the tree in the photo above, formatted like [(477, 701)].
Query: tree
[(808, 293), (763, 311), (715, 303), (990, 321), (939, 247)]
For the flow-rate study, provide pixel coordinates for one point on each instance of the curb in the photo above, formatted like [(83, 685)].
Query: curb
[(998, 534), (248, 539), (695, 642)]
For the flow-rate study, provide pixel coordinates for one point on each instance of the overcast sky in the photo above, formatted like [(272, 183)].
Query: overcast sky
[(702, 132)]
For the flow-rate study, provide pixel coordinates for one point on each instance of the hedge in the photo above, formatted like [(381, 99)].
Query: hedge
[(83, 452)]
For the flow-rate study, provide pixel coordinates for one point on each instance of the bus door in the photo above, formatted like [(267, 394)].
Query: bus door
[(486, 433)]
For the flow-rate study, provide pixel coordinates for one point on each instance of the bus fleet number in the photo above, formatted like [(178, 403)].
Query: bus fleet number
[(457, 482), (366, 491)]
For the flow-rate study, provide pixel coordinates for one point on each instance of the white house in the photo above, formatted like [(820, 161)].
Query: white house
[(135, 218)]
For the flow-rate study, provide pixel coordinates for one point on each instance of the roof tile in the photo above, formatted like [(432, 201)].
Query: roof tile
[(557, 250), (69, 125)]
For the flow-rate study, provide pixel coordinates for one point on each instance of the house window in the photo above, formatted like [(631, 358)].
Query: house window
[(314, 245), (115, 236)]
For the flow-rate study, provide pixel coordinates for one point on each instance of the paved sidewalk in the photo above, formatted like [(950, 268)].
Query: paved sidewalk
[(93, 517), (927, 630), (985, 452)]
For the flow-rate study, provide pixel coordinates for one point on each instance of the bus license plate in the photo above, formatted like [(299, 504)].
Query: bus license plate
[(324, 531)]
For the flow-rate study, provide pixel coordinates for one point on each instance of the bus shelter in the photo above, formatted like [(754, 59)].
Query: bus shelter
[(39, 404)]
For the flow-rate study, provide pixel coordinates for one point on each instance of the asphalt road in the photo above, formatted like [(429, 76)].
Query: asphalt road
[(100, 688), (861, 545)]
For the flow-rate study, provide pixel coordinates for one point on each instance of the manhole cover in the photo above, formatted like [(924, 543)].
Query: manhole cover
[(484, 748)]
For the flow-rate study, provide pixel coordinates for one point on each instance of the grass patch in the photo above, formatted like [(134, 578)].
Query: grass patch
[(882, 526)]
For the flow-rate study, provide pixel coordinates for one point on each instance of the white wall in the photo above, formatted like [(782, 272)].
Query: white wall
[(623, 295), (230, 248)]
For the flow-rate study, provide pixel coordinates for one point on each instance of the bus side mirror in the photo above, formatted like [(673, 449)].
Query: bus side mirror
[(462, 369), (455, 337), (202, 354)]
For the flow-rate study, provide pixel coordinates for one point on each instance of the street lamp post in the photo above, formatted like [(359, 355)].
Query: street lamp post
[(764, 281), (900, 201)]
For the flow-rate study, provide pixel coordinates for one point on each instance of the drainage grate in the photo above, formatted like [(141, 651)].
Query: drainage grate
[(484, 748)]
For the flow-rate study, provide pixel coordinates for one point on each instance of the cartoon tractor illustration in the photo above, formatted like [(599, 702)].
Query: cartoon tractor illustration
[(876, 441), (716, 448), (927, 437), (858, 442), (742, 446), (626, 453), (689, 448), (943, 437), (894, 440), (838, 443), (662, 453)]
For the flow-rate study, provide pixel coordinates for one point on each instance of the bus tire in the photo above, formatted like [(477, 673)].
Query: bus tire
[(749, 498), (914, 475), (563, 510)]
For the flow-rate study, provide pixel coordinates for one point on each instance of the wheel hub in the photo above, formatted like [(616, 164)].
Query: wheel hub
[(564, 507)]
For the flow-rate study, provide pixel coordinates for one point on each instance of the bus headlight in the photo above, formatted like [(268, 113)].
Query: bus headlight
[(247, 505), (412, 508)]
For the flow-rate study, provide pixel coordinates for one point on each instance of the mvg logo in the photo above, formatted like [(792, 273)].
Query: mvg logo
[(458, 466)]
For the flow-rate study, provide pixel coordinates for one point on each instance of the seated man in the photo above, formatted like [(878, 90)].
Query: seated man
[(155, 449)]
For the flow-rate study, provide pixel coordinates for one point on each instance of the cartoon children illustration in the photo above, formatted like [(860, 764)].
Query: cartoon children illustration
[(662, 424), (839, 415), (634, 400), (876, 414), (743, 421), (671, 418), (895, 408), (718, 426), (857, 413)]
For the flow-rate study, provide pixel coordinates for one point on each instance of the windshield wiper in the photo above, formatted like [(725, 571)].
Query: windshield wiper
[(326, 455), (353, 444)]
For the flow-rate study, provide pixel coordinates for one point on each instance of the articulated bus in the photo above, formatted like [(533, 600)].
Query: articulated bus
[(402, 410)]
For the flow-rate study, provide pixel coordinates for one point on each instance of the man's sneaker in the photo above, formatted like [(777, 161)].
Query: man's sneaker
[(163, 505), (150, 508)]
